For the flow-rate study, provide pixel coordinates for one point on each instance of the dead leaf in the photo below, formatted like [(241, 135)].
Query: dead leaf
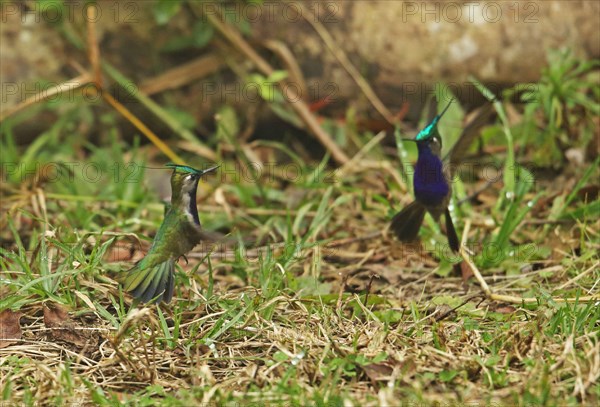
[(10, 329), (506, 309), (62, 328), (466, 272), (589, 193), (379, 371), (54, 315)]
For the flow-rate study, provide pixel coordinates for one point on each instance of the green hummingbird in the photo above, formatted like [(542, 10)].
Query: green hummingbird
[(152, 278)]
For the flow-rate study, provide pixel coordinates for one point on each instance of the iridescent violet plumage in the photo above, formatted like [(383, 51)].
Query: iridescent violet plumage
[(431, 184), (432, 177)]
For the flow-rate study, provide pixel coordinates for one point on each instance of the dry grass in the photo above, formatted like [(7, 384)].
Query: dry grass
[(305, 332), (320, 306)]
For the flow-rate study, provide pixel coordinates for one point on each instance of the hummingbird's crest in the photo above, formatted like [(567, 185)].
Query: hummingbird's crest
[(184, 183), (431, 129), (186, 169)]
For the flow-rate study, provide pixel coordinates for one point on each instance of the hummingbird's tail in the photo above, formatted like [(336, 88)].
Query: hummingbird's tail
[(451, 233), (454, 244), (154, 283), (407, 222)]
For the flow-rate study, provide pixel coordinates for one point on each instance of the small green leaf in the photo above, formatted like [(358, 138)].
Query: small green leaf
[(164, 10), (311, 286), (177, 44), (187, 120), (277, 76), (227, 123), (585, 212), (447, 375), (280, 356), (380, 357), (53, 10), (492, 360), (202, 33)]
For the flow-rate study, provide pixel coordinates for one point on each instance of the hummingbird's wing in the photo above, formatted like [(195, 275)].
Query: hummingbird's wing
[(468, 135), (215, 237)]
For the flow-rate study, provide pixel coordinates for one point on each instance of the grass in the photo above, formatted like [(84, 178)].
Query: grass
[(313, 306)]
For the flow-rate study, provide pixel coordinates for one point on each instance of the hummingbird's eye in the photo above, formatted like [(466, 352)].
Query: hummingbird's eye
[(188, 177)]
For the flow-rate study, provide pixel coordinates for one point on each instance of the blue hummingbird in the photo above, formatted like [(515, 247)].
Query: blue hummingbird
[(432, 179)]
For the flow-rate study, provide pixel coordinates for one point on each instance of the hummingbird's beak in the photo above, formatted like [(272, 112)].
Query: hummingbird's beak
[(211, 169)]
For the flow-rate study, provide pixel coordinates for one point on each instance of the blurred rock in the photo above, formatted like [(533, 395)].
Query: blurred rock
[(401, 48)]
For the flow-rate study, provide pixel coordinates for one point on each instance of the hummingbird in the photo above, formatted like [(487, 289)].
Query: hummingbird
[(432, 180), (152, 278)]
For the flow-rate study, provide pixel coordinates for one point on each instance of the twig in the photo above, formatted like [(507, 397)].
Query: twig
[(142, 127), (350, 240), (547, 221), (68, 86), (361, 153), (369, 285), (340, 55), (579, 276), (159, 111), (345, 277), (349, 270), (513, 299), (183, 74), (291, 64), (475, 193), (254, 252), (94, 56), (298, 105), (388, 167), (93, 49), (465, 235), (451, 310)]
